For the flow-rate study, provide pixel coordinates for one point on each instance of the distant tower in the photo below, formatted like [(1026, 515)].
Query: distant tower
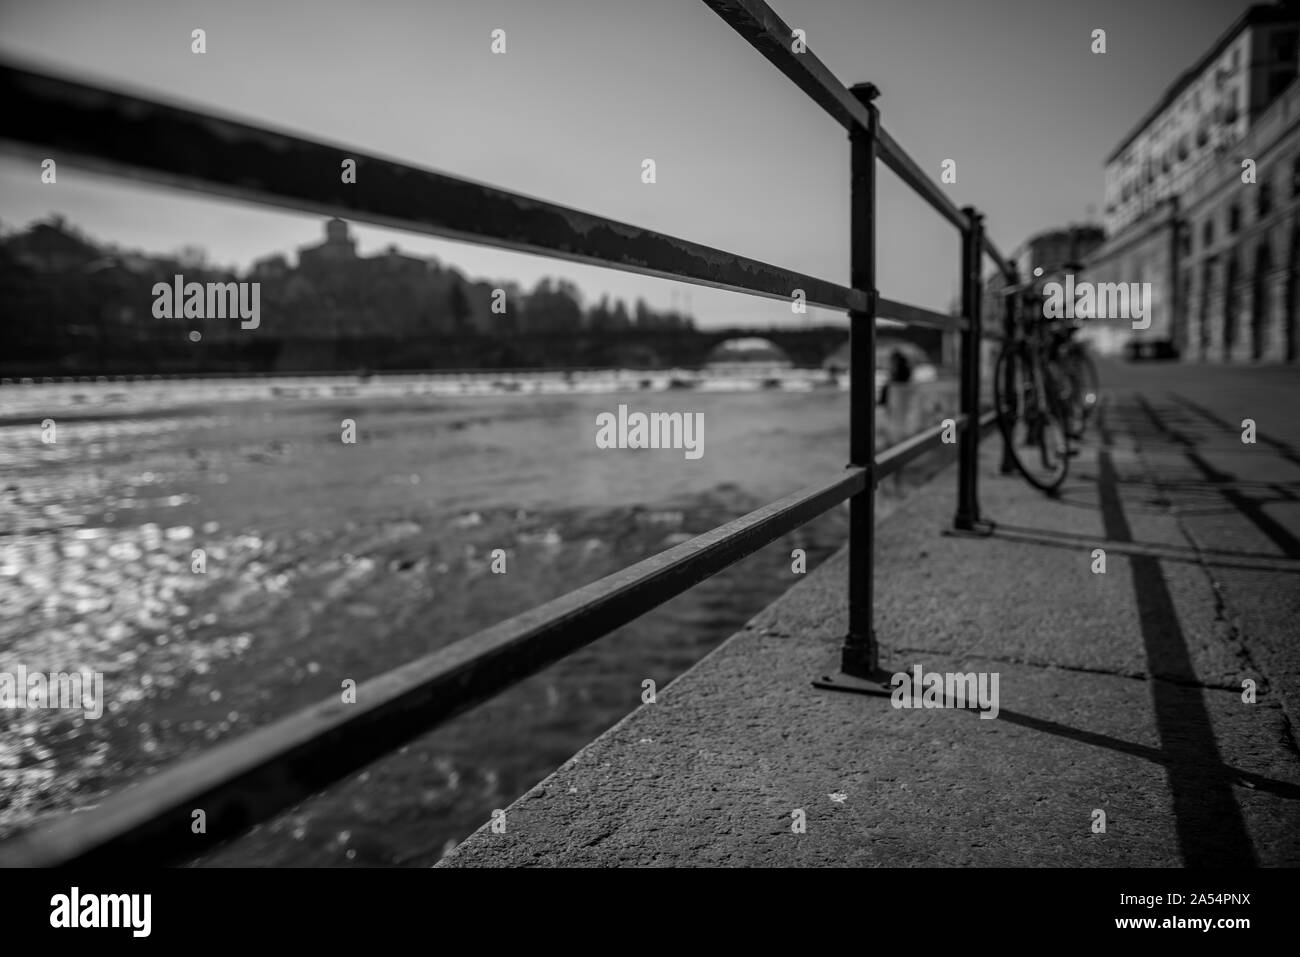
[(338, 245), (336, 232)]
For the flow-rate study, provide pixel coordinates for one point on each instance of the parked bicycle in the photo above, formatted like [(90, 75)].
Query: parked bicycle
[(1045, 386)]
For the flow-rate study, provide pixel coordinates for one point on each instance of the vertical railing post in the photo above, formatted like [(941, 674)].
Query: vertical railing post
[(1010, 314), (972, 256), (860, 656)]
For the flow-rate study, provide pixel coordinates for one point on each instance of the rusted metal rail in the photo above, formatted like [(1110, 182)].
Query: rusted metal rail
[(250, 779), (149, 140)]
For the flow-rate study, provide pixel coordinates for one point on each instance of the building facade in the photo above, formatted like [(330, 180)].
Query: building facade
[(1144, 252), (1239, 248), (1056, 247), (1051, 251), (1214, 238)]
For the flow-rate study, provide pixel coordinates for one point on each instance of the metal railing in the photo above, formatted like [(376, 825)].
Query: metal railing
[(249, 779)]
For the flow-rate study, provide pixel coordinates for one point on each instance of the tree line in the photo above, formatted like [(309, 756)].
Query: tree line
[(72, 305)]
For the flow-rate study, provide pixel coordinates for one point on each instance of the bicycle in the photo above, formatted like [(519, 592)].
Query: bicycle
[(1045, 389)]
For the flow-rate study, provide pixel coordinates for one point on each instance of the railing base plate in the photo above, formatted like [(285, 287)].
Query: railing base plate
[(981, 528), (878, 684)]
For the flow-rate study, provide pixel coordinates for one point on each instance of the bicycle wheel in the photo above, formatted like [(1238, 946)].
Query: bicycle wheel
[(1030, 419)]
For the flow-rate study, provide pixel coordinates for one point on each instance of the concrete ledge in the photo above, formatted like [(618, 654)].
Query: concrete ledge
[(1104, 705)]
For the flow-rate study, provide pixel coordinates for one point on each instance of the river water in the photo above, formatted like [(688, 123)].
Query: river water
[(323, 560)]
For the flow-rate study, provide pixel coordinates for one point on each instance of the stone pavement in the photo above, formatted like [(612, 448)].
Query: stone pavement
[(1119, 692)]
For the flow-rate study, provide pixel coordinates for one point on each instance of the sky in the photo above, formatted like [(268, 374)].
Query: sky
[(587, 89)]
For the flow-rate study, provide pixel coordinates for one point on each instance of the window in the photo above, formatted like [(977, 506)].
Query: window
[(1295, 177), (1207, 234), (1278, 82), (1264, 199), (1234, 218), (1283, 46)]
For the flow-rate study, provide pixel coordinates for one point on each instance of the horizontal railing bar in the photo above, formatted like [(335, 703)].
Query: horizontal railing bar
[(767, 33), (894, 458), (142, 138), (771, 36), (916, 316), (897, 456), (1003, 265), (896, 158), (255, 776)]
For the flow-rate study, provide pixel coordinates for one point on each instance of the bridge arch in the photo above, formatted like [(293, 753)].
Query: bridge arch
[(754, 350)]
